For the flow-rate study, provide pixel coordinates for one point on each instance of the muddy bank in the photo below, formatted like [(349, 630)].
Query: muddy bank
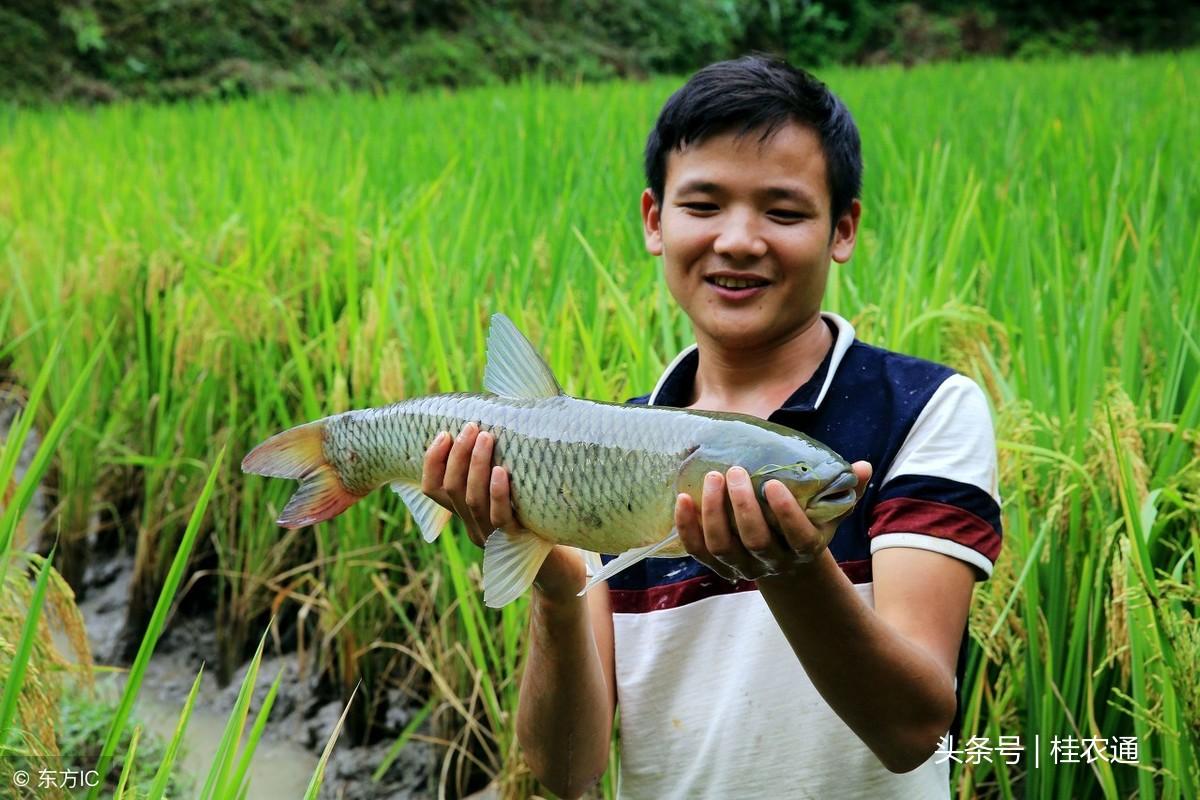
[(300, 723)]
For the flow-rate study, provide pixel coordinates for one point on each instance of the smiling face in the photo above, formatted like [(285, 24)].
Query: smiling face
[(744, 232)]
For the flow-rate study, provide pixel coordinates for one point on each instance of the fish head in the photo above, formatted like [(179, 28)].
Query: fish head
[(820, 480), (826, 490)]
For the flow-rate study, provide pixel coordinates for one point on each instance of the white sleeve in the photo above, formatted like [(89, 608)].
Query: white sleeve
[(940, 492)]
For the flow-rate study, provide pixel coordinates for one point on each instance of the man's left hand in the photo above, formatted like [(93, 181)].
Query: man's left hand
[(750, 548)]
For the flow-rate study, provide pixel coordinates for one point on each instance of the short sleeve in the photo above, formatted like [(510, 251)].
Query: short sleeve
[(941, 491)]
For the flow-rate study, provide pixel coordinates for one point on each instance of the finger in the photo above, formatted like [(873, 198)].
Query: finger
[(687, 524), (457, 468), (459, 462), (502, 513), (752, 528), (479, 476), (433, 468), (719, 540), (794, 524), (863, 471)]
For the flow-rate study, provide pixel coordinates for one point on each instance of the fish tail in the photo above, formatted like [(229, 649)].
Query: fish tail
[(300, 453)]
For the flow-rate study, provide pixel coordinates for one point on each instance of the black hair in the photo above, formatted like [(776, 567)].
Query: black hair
[(758, 93)]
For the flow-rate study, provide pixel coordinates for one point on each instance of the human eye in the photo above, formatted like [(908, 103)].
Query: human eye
[(786, 214), (699, 206)]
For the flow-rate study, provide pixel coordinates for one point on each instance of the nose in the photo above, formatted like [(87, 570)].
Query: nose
[(739, 237)]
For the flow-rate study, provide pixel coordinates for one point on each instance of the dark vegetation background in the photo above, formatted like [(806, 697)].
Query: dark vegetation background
[(104, 50)]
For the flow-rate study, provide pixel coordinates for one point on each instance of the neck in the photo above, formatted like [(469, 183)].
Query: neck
[(734, 379)]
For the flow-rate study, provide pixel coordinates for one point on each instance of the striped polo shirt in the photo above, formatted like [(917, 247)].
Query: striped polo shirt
[(713, 701)]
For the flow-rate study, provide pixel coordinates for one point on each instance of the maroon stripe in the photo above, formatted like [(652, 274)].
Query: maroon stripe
[(906, 515), (857, 571), (674, 595)]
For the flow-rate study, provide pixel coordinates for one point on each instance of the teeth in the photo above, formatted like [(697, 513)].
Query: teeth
[(735, 283)]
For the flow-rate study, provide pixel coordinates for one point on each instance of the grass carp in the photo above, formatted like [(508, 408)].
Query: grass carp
[(598, 476)]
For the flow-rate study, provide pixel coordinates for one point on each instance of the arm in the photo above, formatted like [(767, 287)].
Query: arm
[(568, 696), (568, 690), (890, 676)]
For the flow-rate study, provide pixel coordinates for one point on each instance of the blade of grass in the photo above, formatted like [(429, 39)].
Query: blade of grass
[(158, 789), (217, 783), (318, 776)]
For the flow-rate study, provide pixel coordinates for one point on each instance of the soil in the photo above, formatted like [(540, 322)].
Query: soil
[(300, 724)]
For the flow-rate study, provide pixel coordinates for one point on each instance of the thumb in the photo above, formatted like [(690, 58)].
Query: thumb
[(863, 471)]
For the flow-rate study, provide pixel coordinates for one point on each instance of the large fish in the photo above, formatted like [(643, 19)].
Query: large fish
[(601, 477)]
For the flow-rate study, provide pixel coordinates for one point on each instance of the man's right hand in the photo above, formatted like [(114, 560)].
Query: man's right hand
[(458, 475)]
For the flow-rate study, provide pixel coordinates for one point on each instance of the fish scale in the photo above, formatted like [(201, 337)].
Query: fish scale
[(579, 468)]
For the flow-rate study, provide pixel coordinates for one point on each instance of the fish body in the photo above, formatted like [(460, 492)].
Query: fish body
[(601, 477)]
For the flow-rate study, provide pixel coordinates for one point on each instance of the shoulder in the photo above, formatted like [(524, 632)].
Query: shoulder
[(881, 394), (869, 363)]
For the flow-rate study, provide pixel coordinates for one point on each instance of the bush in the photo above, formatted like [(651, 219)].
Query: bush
[(99, 50)]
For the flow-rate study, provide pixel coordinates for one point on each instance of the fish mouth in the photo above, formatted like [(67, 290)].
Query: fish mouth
[(839, 492)]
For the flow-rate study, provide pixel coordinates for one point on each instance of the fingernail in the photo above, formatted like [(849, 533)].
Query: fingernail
[(712, 476), (441, 437), (737, 475)]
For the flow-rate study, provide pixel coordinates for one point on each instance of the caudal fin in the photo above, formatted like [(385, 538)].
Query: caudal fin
[(299, 453)]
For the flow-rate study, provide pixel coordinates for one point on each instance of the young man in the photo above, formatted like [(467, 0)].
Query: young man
[(809, 671)]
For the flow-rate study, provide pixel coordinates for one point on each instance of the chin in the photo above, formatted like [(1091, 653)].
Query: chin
[(741, 337)]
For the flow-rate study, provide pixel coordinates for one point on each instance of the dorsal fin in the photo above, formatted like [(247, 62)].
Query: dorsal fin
[(514, 368)]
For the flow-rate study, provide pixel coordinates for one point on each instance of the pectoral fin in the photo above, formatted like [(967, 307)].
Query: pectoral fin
[(430, 517), (510, 563), (628, 559)]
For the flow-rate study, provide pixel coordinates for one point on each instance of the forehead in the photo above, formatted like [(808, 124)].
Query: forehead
[(790, 155)]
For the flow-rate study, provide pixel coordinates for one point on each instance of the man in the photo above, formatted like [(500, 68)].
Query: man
[(808, 671)]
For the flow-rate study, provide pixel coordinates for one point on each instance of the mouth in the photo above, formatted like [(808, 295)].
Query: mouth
[(838, 493), (736, 286)]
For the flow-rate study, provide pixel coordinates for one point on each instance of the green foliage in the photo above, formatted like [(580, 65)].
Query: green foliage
[(101, 50), (83, 722)]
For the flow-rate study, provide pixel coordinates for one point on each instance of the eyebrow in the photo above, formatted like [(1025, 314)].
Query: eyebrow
[(771, 192)]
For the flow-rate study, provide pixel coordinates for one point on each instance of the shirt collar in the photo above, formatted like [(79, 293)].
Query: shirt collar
[(674, 387)]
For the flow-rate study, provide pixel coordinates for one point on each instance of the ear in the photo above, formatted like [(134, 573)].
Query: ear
[(651, 224), (845, 233)]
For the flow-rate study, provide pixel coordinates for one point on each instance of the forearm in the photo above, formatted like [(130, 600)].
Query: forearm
[(564, 718), (892, 693)]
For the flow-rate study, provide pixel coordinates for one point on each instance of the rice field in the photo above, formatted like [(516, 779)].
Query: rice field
[(180, 282)]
